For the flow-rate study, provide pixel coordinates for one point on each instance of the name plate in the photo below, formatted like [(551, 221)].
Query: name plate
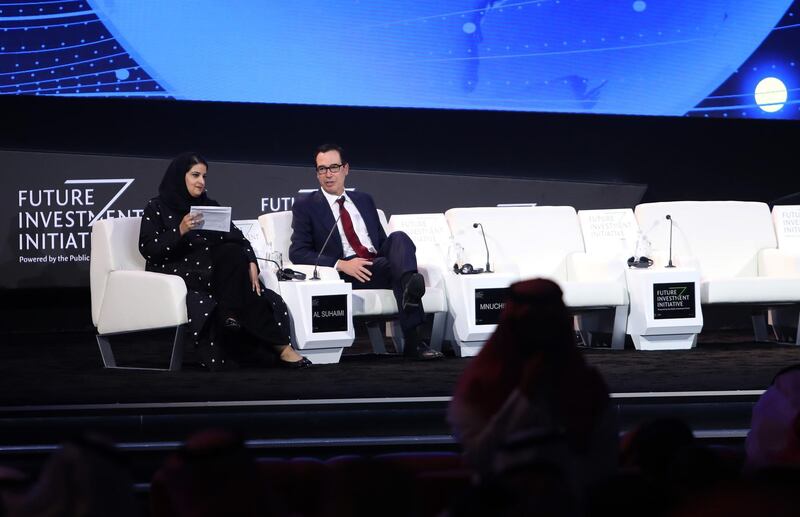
[(673, 301), (488, 305), (329, 313)]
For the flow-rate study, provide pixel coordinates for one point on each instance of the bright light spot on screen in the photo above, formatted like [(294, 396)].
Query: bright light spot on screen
[(469, 27), (771, 94), (639, 6), (122, 74)]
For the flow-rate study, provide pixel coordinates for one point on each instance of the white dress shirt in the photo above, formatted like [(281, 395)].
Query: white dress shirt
[(358, 223)]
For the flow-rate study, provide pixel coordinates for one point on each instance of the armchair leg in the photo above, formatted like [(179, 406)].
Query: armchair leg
[(176, 360), (620, 326), (797, 333), (438, 329), (783, 321), (376, 337), (397, 336), (105, 352), (760, 326)]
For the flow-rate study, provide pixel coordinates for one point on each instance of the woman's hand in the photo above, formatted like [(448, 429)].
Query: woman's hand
[(254, 278), (190, 221)]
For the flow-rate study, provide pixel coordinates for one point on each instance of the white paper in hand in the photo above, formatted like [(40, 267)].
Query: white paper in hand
[(215, 218)]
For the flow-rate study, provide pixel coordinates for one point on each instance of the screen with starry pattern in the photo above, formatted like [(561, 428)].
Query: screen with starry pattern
[(706, 58)]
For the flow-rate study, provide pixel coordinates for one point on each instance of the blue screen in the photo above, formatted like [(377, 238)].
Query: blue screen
[(712, 58)]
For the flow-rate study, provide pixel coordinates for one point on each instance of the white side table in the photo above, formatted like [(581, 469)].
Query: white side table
[(322, 317), (665, 310), (474, 303)]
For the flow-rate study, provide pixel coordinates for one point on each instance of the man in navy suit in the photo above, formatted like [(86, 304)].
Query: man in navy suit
[(358, 248)]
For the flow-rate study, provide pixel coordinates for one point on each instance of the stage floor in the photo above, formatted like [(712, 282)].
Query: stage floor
[(56, 369), (53, 385)]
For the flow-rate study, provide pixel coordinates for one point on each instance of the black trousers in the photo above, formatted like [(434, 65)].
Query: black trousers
[(396, 257)]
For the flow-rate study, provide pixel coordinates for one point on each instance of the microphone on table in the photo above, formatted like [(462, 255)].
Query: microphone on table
[(284, 274), (475, 225), (670, 264), (315, 276)]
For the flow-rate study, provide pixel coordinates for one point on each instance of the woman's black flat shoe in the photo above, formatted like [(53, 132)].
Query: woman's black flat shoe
[(302, 363), (232, 324)]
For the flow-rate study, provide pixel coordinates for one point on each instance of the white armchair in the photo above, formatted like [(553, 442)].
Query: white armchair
[(377, 303), (253, 233), (125, 297), (734, 246), (546, 242), (431, 236), (786, 219)]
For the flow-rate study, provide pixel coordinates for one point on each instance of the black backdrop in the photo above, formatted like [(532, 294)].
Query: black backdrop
[(677, 158), (49, 201)]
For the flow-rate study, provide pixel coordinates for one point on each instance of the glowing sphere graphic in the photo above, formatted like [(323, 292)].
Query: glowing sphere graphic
[(771, 94)]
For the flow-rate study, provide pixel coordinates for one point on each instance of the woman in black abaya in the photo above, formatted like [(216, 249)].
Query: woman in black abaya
[(219, 269)]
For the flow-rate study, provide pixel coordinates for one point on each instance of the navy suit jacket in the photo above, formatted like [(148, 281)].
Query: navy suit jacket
[(312, 219)]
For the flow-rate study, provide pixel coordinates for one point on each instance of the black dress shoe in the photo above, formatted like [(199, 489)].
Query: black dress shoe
[(232, 324), (413, 291), (302, 363), (422, 352)]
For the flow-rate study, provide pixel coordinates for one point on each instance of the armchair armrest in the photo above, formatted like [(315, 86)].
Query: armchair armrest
[(585, 267), (140, 300), (778, 263), (433, 274)]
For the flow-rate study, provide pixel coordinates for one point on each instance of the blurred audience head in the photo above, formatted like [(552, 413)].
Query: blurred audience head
[(212, 475), (677, 467), (654, 446), (529, 411), (774, 437), (534, 335), (535, 321), (366, 487), (86, 476)]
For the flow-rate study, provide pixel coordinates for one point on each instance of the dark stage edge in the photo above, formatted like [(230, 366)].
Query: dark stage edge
[(53, 385), (59, 369)]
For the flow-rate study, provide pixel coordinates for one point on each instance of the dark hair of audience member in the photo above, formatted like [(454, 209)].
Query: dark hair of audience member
[(87, 475), (530, 413), (363, 487), (774, 437), (534, 350)]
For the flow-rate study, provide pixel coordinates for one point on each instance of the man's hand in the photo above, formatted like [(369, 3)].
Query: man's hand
[(254, 278), (356, 267)]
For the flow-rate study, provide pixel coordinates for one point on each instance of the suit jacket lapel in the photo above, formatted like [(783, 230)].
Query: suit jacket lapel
[(325, 214), (370, 217)]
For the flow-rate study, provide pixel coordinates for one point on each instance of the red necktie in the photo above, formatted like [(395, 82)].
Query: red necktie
[(350, 232)]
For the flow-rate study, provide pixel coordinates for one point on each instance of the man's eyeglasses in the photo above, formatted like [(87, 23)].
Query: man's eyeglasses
[(333, 168)]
